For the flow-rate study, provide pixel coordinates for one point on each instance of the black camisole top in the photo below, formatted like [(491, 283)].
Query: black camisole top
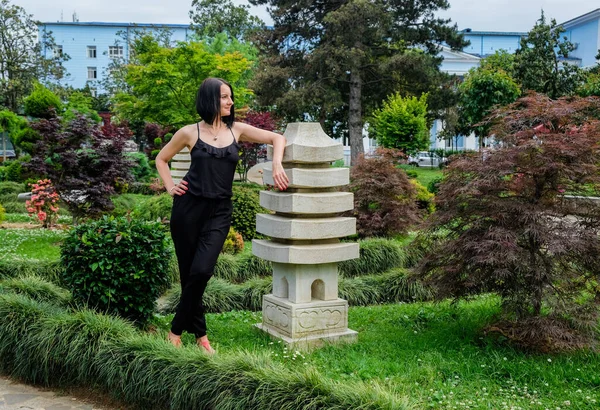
[(212, 169)]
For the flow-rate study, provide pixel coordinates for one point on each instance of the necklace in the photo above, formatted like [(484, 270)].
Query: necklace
[(215, 137)]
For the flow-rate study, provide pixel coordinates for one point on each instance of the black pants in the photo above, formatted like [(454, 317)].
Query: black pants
[(199, 227)]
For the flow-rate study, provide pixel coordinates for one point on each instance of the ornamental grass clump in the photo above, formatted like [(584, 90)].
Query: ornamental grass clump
[(510, 228), (117, 265)]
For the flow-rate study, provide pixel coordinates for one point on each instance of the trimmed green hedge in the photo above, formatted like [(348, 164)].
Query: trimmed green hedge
[(42, 343), (390, 287)]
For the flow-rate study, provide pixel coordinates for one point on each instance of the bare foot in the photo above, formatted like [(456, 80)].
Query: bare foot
[(174, 339), (205, 344)]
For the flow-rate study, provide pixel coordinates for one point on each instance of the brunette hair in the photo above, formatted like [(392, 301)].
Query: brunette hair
[(208, 101)]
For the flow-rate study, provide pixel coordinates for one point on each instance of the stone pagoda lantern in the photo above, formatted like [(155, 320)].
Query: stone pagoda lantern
[(304, 309)]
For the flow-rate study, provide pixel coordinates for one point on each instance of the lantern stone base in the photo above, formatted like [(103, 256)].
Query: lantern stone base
[(307, 325)]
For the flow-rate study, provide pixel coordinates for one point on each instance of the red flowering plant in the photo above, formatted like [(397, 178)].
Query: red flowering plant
[(43, 204)]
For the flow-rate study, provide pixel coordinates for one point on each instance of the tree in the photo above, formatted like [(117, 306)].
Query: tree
[(42, 103), (163, 81), (250, 152), (505, 225), (500, 60), (319, 61), (21, 59), (482, 90), (10, 124), (84, 161), (211, 17), (384, 198), (540, 61), (401, 124)]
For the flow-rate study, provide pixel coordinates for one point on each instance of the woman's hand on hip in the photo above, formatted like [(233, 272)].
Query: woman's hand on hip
[(280, 178), (179, 189)]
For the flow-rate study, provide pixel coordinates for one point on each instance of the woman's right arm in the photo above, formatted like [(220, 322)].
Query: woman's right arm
[(179, 141)]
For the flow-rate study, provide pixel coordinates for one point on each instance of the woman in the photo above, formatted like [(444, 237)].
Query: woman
[(202, 205)]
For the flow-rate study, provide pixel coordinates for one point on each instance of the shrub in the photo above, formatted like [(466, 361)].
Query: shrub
[(85, 178), (384, 199), (245, 207), (26, 138), (12, 170), (2, 214), (376, 256), (234, 243), (434, 185), (424, 197), (155, 208), (154, 153), (141, 170), (42, 102), (12, 206), (117, 265), (509, 228), (142, 188), (43, 204), (11, 187), (126, 203)]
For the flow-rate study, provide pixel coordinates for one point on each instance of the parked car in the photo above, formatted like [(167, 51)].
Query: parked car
[(426, 159)]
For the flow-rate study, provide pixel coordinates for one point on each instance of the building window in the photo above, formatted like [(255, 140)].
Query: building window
[(115, 51), (91, 51), (93, 92), (92, 73), (58, 51)]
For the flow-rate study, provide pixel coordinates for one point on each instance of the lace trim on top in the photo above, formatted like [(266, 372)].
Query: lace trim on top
[(218, 152)]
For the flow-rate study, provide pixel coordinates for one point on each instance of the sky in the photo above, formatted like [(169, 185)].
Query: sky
[(479, 15)]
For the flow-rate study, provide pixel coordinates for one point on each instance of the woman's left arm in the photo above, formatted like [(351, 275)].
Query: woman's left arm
[(253, 134)]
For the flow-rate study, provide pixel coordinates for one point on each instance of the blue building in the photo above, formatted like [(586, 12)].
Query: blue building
[(584, 32), (92, 46)]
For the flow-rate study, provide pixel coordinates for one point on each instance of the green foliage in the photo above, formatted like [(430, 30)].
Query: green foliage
[(245, 207), (12, 170), (117, 265), (41, 102), (434, 185), (376, 255), (50, 270), (26, 138), (591, 86), (36, 288), (162, 81), (125, 204), (22, 59), (424, 198), (11, 187), (155, 208), (234, 243), (482, 90), (2, 213), (337, 71), (538, 61), (141, 170), (212, 17), (500, 60), (401, 123), (80, 103)]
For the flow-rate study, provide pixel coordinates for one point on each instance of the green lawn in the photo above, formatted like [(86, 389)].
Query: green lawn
[(432, 353), (424, 175), (30, 244)]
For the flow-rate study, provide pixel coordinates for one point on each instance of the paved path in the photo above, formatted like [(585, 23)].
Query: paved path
[(16, 396)]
